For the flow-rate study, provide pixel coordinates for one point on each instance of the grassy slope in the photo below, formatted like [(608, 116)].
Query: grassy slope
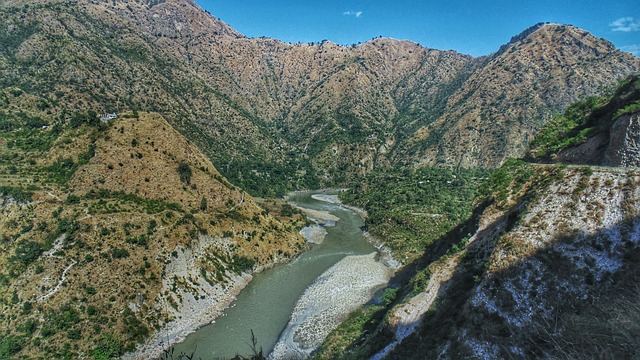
[(115, 199)]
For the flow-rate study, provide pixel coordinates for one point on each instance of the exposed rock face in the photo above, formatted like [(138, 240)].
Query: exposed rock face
[(590, 152), (530, 276), (624, 142)]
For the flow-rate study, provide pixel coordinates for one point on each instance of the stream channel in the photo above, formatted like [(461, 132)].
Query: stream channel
[(266, 304)]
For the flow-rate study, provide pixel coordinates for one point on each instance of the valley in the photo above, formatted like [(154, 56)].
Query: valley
[(500, 191)]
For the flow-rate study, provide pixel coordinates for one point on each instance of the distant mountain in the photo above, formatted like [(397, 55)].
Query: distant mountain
[(499, 109), (302, 115)]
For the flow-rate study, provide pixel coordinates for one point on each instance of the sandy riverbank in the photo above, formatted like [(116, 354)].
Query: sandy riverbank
[(342, 289)]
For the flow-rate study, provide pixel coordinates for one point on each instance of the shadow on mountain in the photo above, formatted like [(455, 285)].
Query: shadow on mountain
[(578, 297)]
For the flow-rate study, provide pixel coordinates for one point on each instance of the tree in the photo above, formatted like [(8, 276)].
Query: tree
[(185, 173)]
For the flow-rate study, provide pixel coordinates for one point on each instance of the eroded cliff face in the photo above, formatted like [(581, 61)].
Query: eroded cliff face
[(624, 142), (541, 261)]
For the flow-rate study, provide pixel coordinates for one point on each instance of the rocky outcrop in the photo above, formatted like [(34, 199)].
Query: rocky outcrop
[(537, 263), (624, 142)]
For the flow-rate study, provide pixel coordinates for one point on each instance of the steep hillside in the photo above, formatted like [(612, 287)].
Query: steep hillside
[(126, 232), (543, 263), (499, 109), (538, 274), (597, 131), (300, 115), (538, 262)]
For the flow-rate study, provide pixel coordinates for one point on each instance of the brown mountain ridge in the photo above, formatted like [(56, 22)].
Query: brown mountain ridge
[(297, 114)]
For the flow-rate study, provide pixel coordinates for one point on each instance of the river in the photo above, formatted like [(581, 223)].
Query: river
[(266, 304)]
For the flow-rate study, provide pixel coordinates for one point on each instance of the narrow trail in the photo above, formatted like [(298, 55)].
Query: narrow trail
[(62, 279)]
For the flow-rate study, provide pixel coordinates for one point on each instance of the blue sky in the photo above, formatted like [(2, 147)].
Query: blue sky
[(471, 27)]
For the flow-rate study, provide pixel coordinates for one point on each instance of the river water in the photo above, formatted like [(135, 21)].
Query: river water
[(266, 304)]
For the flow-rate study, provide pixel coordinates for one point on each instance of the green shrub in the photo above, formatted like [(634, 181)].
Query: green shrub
[(389, 295), (119, 253), (19, 194), (72, 199), (185, 173), (26, 252), (108, 347), (10, 345)]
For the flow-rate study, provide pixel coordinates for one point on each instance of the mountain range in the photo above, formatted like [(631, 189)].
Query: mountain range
[(298, 114), (169, 196)]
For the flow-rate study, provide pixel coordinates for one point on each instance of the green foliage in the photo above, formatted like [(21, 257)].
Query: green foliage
[(585, 119), (62, 170), (412, 208), (108, 347), (72, 199), (26, 252), (119, 253), (185, 173), (150, 206), (566, 130), (10, 345), (26, 133), (18, 193), (420, 281), (628, 109), (507, 179), (288, 210), (360, 324), (78, 119), (62, 320), (135, 329), (240, 264), (389, 296), (26, 308)]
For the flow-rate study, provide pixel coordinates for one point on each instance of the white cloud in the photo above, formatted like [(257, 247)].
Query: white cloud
[(625, 24), (634, 49), (353, 13)]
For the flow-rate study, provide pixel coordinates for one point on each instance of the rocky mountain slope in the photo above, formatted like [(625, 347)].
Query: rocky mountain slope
[(540, 262), (596, 131), (545, 266), (298, 114), (127, 232)]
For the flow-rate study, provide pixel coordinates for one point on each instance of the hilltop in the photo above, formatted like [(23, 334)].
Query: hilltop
[(128, 229)]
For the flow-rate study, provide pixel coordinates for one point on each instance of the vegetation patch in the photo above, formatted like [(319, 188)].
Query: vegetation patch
[(409, 209)]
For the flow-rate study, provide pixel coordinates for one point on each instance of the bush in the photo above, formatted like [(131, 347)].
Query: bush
[(72, 199), (10, 345), (185, 173), (389, 295), (108, 347), (26, 253), (241, 264), (118, 253), (19, 194)]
